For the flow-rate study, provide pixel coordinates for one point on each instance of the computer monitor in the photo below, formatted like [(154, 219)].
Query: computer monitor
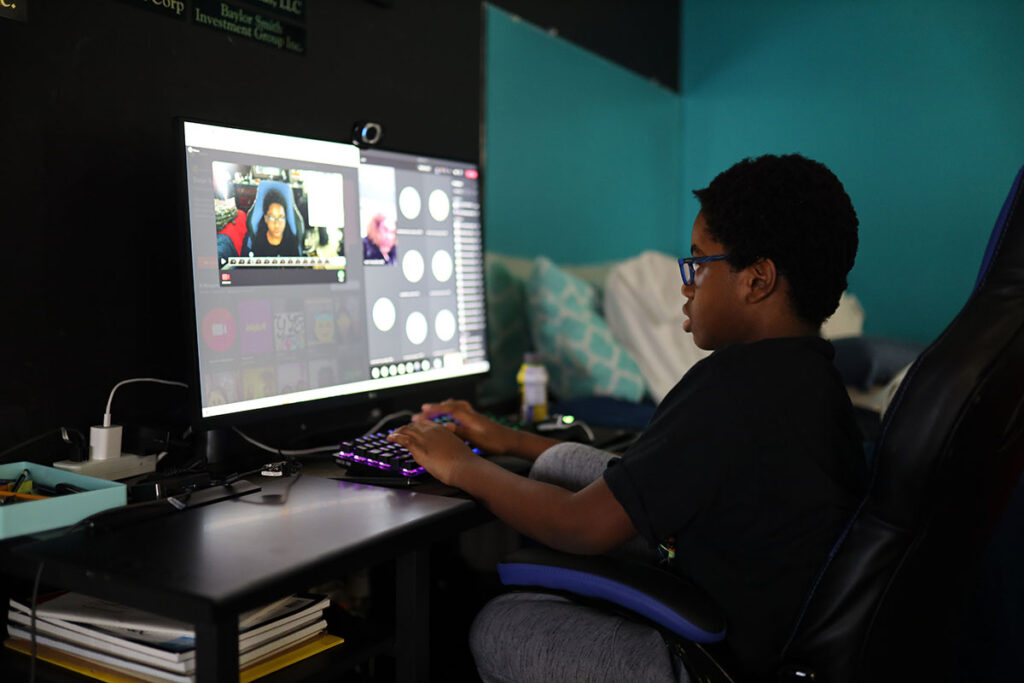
[(323, 274)]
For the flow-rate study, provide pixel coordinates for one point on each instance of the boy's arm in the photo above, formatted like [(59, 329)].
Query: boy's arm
[(481, 431), (588, 522)]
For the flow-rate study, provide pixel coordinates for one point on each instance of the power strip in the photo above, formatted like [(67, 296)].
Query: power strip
[(128, 465)]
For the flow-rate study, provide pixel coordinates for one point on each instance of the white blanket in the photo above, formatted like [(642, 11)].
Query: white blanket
[(643, 306)]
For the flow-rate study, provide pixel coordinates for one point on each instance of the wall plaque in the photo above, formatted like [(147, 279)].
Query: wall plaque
[(293, 9), (170, 8), (14, 9), (244, 22)]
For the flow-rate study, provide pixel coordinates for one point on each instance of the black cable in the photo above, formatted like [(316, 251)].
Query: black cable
[(28, 442), (64, 436), (235, 476), (32, 624), (132, 513), (63, 432)]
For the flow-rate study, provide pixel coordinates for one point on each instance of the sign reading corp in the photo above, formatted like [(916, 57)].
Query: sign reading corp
[(171, 8)]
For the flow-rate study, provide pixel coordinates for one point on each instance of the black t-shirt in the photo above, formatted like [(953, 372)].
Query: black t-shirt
[(289, 245), (753, 463)]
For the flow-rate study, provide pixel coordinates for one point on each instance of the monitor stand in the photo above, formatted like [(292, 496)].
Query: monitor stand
[(215, 446)]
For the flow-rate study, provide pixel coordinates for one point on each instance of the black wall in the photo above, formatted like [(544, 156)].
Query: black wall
[(90, 167), (641, 35)]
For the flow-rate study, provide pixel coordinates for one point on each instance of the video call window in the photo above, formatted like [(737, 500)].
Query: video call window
[(378, 213), (269, 218)]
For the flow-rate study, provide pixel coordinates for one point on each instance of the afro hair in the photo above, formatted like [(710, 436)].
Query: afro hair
[(794, 211)]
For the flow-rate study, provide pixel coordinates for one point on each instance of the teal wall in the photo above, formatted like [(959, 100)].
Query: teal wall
[(918, 106), (581, 154)]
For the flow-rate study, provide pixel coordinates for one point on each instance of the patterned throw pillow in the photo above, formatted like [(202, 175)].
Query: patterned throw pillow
[(507, 336), (581, 355)]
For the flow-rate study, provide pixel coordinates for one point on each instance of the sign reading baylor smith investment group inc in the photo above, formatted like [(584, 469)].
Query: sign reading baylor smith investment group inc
[(275, 23), (243, 22), (14, 9)]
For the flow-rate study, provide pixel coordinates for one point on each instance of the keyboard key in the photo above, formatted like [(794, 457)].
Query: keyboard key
[(374, 450)]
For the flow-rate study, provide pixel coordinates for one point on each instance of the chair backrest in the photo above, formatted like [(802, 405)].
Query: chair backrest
[(256, 212), (891, 601)]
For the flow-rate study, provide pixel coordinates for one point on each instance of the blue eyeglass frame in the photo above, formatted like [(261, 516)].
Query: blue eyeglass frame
[(686, 265)]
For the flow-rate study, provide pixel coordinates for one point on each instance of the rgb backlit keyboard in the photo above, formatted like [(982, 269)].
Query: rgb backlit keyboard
[(374, 450)]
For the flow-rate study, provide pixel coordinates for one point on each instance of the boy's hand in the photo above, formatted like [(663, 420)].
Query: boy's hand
[(471, 426), (434, 447)]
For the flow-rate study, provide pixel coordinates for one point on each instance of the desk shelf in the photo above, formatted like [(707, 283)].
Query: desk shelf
[(206, 565), (325, 667)]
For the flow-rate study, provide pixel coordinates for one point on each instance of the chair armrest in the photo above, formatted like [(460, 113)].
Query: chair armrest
[(666, 599)]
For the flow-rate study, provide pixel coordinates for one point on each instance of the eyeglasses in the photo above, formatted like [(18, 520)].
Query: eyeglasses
[(275, 219), (687, 266)]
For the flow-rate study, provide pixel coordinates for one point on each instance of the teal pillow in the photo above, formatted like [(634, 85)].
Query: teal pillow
[(579, 351), (507, 336)]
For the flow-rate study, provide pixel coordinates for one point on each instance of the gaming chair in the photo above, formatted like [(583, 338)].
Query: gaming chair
[(890, 603)]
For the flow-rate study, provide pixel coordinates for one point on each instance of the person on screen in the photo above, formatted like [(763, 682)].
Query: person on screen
[(230, 221), (745, 475), (230, 228), (273, 237), (380, 243)]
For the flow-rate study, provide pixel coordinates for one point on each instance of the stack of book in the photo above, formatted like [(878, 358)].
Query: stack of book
[(109, 641)]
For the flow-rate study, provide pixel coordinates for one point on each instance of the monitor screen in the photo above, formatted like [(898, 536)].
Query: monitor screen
[(322, 271)]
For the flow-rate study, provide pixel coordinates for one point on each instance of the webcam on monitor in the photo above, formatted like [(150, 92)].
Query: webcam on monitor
[(366, 133)]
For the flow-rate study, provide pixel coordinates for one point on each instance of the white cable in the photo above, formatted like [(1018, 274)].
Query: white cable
[(319, 449), (588, 430), (387, 418), (106, 415), (306, 451)]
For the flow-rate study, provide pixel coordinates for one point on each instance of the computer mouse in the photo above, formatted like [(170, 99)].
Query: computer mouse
[(565, 428)]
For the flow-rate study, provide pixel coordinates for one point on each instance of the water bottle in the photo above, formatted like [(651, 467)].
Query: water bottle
[(533, 389)]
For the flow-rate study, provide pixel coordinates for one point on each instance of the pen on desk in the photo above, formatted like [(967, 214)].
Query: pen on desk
[(25, 474), (11, 495), (13, 488), (58, 489)]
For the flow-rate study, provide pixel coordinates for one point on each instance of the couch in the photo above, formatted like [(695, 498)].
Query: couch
[(610, 336)]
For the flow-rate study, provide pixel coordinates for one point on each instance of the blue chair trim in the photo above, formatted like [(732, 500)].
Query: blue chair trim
[(589, 585), (997, 231)]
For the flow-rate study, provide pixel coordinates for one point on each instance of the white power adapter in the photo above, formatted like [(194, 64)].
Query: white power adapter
[(106, 460), (105, 442)]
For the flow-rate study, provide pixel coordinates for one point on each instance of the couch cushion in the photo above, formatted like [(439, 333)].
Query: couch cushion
[(581, 354), (643, 308), (507, 335)]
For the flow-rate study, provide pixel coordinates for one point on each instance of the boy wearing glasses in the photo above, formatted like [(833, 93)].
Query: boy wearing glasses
[(748, 470), (273, 238)]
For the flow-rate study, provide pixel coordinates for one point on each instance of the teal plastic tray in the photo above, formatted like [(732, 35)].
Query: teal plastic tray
[(30, 516)]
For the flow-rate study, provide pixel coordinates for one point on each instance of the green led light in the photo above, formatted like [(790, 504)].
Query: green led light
[(568, 419)]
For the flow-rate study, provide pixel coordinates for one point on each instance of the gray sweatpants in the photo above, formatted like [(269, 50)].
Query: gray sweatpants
[(523, 637)]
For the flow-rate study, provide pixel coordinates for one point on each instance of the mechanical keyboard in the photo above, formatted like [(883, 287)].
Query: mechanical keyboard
[(374, 450)]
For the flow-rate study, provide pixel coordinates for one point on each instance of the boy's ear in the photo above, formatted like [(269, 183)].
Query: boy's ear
[(761, 279)]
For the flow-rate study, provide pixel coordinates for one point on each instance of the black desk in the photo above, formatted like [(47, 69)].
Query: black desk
[(207, 564)]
